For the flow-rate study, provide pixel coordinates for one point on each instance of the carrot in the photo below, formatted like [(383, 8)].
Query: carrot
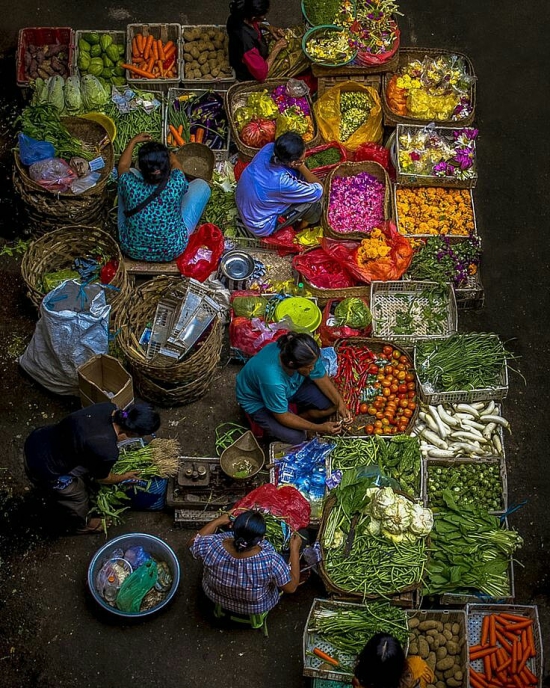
[(169, 139), (484, 631), (514, 668), (530, 676), (517, 681), (512, 617), (148, 45), (476, 648), (523, 640), (531, 641), (177, 138), (492, 631), (159, 65), (487, 667), (137, 71), (500, 620), (160, 49), (511, 636), (139, 43), (475, 676), (180, 130), (168, 45), (151, 64), (327, 658), (524, 658), (514, 627), (199, 135), (170, 52), (135, 49), (493, 659), (482, 653), (505, 644), (137, 60), (504, 666), (155, 50), (192, 138)]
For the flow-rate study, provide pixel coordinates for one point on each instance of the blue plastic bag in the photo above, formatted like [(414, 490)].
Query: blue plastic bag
[(31, 150)]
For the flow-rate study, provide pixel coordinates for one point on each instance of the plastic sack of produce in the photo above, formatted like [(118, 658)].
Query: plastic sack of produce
[(54, 174), (323, 271), (332, 328), (328, 115), (249, 306), (285, 502), (391, 266), (204, 250), (31, 150), (374, 152), (284, 240), (249, 336), (73, 327)]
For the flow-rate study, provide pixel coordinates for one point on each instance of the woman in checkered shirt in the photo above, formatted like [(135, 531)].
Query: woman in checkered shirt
[(242, 571)]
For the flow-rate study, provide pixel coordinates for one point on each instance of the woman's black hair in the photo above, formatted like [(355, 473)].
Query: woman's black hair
[(154, 162), (289, 147), (248, 529), (248, 9), (381, 663), (298, 349), (138, 419)]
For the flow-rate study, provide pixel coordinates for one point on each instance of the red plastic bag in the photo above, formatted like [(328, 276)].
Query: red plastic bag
[(323, 271), (239, 168), (344, 252), (374, 152), (284, 502), (330, 334), (248, 336), (202, 254), (284, 241)]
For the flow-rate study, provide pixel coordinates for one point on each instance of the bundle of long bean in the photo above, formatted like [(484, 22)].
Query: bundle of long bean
[(461, 362), (348, 629), (159, 459), (398, 457), (132, 123), (42, 122), (276, 533)]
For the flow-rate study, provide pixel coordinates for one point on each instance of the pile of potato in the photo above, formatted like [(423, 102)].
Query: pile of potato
[(442, 645), (205, 53)]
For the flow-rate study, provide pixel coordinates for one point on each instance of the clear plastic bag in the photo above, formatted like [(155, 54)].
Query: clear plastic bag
[(53, 174)]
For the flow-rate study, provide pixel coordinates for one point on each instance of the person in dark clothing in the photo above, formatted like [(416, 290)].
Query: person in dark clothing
[(248, 52), (85, 443)]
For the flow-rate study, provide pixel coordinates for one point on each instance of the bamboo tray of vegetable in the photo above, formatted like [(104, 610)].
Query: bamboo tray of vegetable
[(197, 116), (409, 311), (336, 632), (439, 638), (480, 481), (398, 457), (400, 219), (373, 541), (462, 368), (498, 632)]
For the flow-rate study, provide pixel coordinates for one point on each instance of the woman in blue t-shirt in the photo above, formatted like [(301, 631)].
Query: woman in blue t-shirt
[(157, 207), (290, 371)]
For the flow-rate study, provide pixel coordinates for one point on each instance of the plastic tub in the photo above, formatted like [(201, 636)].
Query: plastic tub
[(156, 547), (303, 312)]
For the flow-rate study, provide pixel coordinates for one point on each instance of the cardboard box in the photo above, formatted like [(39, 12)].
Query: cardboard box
[(102, 378)]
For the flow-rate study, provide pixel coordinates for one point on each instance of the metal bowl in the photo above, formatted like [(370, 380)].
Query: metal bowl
[(156, 547), (237, 265)]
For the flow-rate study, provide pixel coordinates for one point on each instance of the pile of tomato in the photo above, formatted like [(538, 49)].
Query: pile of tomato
[(391, 409)]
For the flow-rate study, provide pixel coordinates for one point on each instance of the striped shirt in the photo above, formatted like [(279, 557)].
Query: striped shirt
[(245, 586)]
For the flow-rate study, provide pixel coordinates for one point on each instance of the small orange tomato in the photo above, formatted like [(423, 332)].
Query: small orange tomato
[(388, 370), (380, 376), (386, 391), (378, 431), (386, 382), (412, 405), (411, 385), (403, 359), (407, 412), (372, 411), (385, 422), (379, 415), (401, 366), (369, 429), (402, 388), (394, 388), (377, 423), (409, 377), (411, 394), (396, 354), (401, 375), (387, 350), (392, 397), (363, 408), (404, 403)]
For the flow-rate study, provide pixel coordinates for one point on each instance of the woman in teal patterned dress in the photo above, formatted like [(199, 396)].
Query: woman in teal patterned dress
[(157, 207)]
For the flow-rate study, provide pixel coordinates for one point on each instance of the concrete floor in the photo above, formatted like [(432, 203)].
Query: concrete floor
[(50, 635)]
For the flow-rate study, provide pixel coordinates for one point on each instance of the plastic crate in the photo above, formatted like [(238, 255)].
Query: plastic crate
[(39, 36), (446, 616), (471, 294), (496, 393), (431, 463), (119, 38), (451, 237), (222, 83), (221, 154), (474, 616), (411, 179), (387, 297), (166, 32)]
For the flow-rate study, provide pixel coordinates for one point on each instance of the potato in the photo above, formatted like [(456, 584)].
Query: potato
[(453, 682), (208, 77), (413, 647), (217, 43), (445, 663), (433, 632), (447, 634), (440, 684), (209, 45), (449, 673), (201, 46), (203, 59), (413, 623), (431, 660), (423, 648), (452, 648), (197, 74), (441, 652), (188, 71), (455, 629), (205, 69), (439, 626), (195, 65), (195, 52), (215, 72), (427, 625)]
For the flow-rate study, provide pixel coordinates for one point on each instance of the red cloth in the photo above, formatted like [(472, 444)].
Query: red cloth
[(256, 64)]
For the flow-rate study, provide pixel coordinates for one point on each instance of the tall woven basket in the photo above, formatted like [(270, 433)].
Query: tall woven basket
[(58, 250), (47, 210), (168, 395), (350, 169), (136, 313), (406, 55), (237, 96)]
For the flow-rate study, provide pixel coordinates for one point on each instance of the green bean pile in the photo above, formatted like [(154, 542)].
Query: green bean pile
[(461, 362), (399, 458), (348, 630), (274, 532), (132, 123)]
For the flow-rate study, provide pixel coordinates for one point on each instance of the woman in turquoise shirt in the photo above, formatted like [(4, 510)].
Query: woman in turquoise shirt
[(287, 371), (157, 207)]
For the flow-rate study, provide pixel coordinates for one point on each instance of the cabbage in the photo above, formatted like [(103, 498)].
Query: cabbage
[(337, 541), (373, 527), (94, 96), (73, 96), (422, 520), (380, 503), (55, 93), (397, 517), (353, 312), (40, 95)]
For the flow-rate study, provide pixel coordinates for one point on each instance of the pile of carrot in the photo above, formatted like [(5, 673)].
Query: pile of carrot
[(505, 646), (152, 58), (175, 136)]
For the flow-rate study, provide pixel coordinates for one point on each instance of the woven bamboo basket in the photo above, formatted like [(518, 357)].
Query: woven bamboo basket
[(406, 55), (57, 251), (237, 96), (350, 169), (167, 395), (138, 310), (336, 590)]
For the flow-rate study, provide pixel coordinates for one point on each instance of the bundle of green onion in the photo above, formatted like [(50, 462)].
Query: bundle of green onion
[(159, 459)]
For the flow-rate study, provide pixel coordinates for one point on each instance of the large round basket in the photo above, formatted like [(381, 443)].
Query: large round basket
[(350, 169), (336, 590), (58, 250), (137, 312), (237, 96), (325, 30), (168, 395), (406, 55)]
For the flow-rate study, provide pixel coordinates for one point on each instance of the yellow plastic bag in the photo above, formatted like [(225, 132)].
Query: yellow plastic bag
[(327, 115)]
